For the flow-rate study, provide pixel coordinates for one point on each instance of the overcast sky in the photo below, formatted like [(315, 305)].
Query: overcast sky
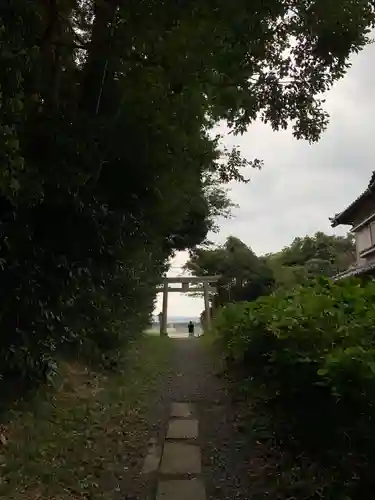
[(301, 185)]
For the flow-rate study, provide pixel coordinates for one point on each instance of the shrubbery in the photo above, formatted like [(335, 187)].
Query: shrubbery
[(311, 351)]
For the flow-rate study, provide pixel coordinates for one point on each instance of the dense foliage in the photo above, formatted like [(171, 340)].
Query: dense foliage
[(243, 275), (311, 353), (107, 163), (312, 256)]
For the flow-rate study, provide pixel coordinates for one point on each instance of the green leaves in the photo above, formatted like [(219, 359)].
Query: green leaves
[(107, 161), (311, 350), (312, 256), (244, 276)]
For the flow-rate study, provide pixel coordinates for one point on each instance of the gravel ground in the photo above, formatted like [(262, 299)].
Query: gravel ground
[(193, 379), (241, 460)]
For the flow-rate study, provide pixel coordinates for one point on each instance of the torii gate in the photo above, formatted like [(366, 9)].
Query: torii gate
[(186, 281)]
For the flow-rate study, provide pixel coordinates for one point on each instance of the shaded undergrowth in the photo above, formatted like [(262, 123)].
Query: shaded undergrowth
[(86, 437)]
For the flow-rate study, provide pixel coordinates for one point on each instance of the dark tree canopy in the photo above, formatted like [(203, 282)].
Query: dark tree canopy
[(108, 163), (244, 276)]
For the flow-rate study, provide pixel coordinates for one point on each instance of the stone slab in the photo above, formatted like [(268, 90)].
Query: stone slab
[(185, 489), (181, 458), (152, 458), (181, 410), (182, 429)]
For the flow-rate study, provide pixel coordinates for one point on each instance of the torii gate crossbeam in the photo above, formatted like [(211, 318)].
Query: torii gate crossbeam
[(186, 281)]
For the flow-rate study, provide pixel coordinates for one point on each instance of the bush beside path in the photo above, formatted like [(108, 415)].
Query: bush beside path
[(303, 360)]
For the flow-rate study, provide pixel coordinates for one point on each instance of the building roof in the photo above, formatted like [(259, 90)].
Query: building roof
[(355, 271), (345, 217)]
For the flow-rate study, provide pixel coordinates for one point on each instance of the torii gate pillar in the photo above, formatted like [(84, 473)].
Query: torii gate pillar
[(207, 312), (164, 318)]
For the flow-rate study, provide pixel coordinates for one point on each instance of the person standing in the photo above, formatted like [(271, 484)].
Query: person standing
[(191, 328)]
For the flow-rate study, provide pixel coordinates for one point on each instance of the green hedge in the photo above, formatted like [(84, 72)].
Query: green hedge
[(311, 351)]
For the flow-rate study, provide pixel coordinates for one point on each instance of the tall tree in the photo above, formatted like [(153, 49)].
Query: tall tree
[(243, 276), (106, 111), (310, 256)]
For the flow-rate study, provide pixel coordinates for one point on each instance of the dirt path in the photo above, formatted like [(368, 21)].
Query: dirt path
[(214, 458)]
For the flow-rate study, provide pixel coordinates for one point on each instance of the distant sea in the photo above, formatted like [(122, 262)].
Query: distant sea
[(179, 319)]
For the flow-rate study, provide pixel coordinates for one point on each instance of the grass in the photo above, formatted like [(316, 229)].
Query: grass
[(86, 438)]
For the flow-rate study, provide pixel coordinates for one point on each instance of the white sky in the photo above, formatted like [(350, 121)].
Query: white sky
[(301, 185)]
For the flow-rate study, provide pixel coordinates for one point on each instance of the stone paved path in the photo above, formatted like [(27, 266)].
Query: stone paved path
[(181, 463), (197, 455)]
